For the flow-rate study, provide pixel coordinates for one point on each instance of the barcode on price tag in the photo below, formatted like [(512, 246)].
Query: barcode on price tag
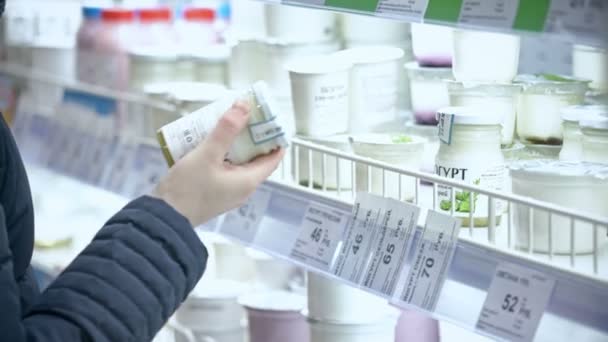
[(393, 241), (320, 233), (515, 303), (242, 223), (358, 237), (432, 256)]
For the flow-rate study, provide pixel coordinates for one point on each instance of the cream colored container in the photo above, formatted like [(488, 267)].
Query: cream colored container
[(296, 24), (319, 88), (367, 30), (539, 111), (337, 171), (428, 91), (432, 45), (374, 85), (595, 138), (591, 63), (575, 185), (278, 54), (331, 301), (396, 149), (191, 96), (379, 331), (572, 148), (470, 154), (491, 97), (264, 133), (213, 306), (247, 52), (211, 63), (232, 262), (485, 56), (151, 64)]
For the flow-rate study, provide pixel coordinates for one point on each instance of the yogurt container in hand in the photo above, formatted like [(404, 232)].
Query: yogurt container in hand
[(264, 133)]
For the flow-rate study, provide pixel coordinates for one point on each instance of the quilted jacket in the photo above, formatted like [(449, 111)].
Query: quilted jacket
[(122, 287)]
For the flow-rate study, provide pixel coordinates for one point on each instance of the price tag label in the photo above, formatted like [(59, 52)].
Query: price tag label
[(358, 237), (495, 13), (583, 17), (413, 9), (393, 241), (516, 301), (243, 223), (320, 233), (444, 127), (432, 256)]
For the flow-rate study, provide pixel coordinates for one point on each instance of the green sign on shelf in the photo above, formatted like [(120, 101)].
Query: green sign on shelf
[(531, 15), (358, 5), (443, 10)]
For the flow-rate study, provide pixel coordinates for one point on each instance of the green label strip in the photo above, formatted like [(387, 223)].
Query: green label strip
[(358, 5), (443, 10), (531, 15)]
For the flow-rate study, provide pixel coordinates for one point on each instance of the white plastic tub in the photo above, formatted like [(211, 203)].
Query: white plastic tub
[(490, 97), (151, 64), (595, 138), (428, 91), (485, 56), (319, 88), (374, 85), (396, 149), (379, 331), (432, 45), (365, 30), (331, 301), (295, 24), (576, 185), (591, 64), (335, 171)]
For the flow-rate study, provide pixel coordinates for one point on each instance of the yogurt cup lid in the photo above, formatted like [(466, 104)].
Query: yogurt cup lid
[(370, 54), (483, 88), (551, 167), (472, 115), (595, 121), (577, 113), (274, 301), (549, 83), (318, 65)]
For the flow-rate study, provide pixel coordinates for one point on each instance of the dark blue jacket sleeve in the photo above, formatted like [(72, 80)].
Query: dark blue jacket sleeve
[(122, 287)]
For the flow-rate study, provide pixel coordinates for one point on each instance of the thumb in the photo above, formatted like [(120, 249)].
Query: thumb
[(228, 127), (263, 166)]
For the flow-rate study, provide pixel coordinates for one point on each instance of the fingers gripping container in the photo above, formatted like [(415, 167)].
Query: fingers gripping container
[(263, 134)]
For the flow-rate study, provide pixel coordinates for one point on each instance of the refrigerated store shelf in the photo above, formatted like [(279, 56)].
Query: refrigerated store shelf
[(581, 22), (575, 309)]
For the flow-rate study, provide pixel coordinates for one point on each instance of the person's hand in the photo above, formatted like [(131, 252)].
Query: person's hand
[(202, 185)]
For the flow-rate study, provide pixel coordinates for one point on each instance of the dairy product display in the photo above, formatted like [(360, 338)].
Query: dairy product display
[(572, 148), (85, 44), (497, 98), (485, 56), (577, 185), (381, 331), (396, 149), (263, 136), (374, 85), (191, 96), (591, 63), (286, 23), (245, 52), (538, 115), (366, 30), (595, 138), (151, 65), (211, 63), (469, 152), (115, 37), (331, 301), (432, 45), (428, 91), (157, 24), (336, 172)]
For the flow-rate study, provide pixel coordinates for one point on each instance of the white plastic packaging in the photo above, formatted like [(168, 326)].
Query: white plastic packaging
[(595, 138), (428, 91), (263, 135), (319, 89), (152, 64), (538, 115), (576, 185), (432, 45), (331, 301), (190, 96), (470, 152), (380, 331), (365, 30), (374, 85), (491, 97), (572, 148), (245, 53), (591, 63), (396, 149), (300, 25), (485, 56), (334, 175)]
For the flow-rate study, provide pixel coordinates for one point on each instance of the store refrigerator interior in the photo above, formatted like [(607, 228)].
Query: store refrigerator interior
[(426, 192)]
